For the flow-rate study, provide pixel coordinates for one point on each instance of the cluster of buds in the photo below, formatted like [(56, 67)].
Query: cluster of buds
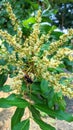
[(14, 20), (63, 52), (35, 66), (54, 46)]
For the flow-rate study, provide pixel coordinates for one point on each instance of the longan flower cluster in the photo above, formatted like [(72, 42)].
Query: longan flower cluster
[(37, 17), (66, 75), (16, 82), (63, 52), (3, 52), (28, 61), (14, 20), (10, 13), (63, 39), (10, 39)]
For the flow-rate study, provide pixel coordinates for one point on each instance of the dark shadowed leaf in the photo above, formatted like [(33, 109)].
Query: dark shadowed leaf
[(3, 78)]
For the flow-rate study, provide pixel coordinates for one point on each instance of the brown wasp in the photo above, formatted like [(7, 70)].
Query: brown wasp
[(28, 79)]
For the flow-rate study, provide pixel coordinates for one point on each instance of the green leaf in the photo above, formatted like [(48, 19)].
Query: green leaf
[(24, 125), (51, 69), (24, 87), (37, 98), (2, 62), (8, 47), (35, 87), (60, 70), (43, 125), (3, 78), (6, 88), (44, 87), (46, 13), (37, 119), (45, 46), (17, 117), (30, 20), (59, 101), (56, 34), (45, 27), (55, 114), (13, 100)]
